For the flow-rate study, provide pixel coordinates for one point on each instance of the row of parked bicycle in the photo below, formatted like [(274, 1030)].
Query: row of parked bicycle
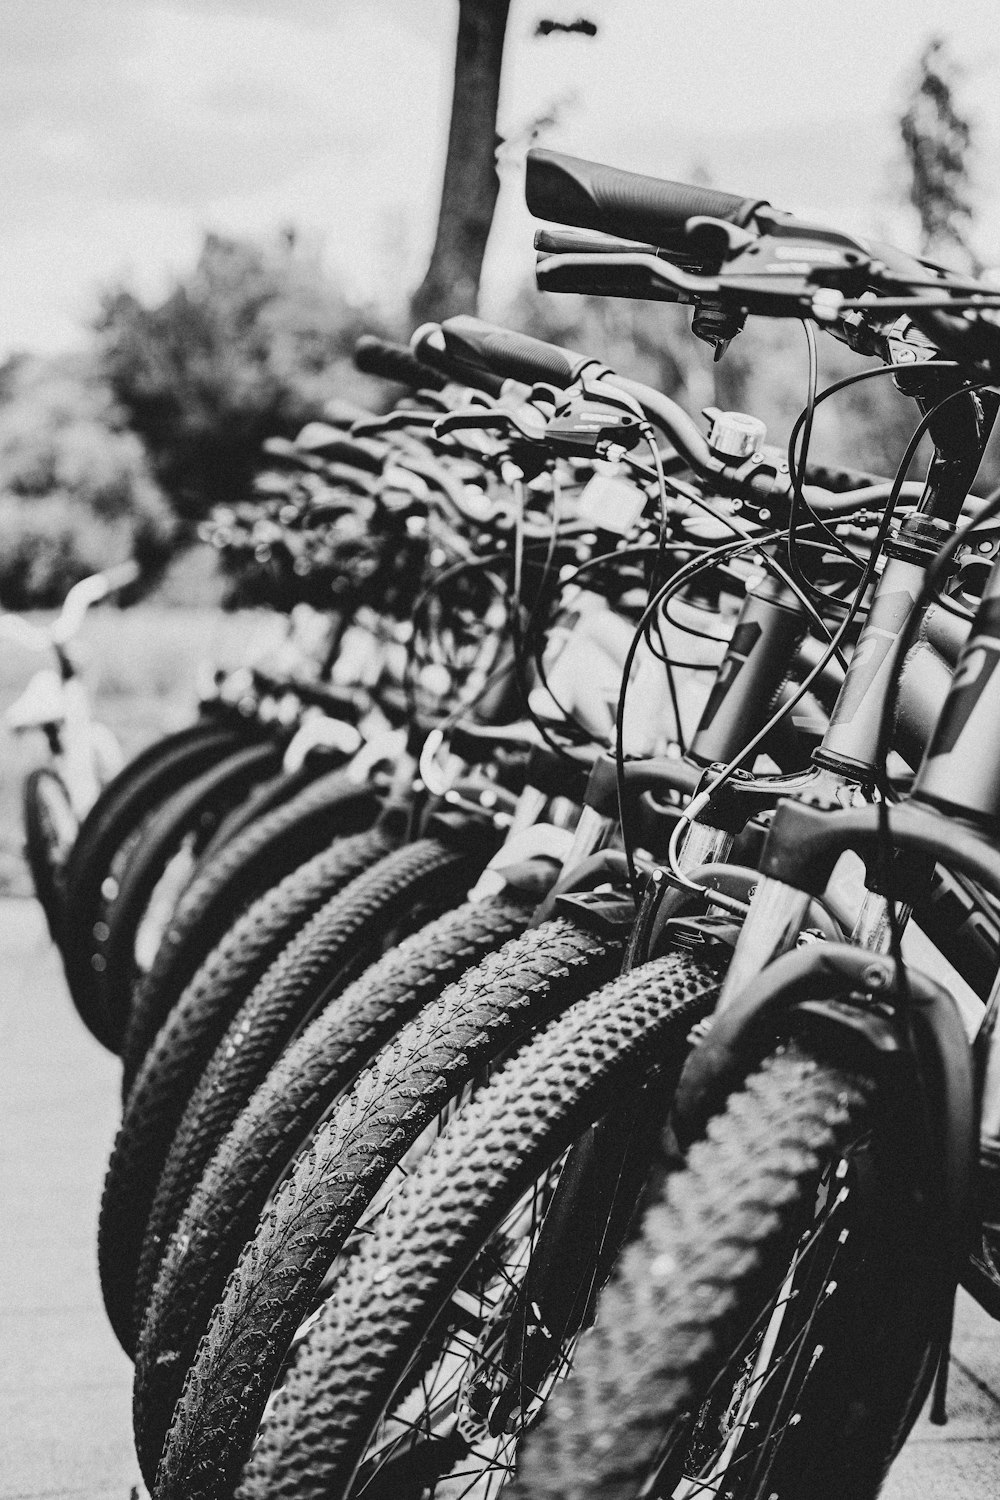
[(520, 1088)]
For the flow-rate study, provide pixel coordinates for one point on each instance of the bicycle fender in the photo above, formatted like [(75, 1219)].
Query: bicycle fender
[(844, 989), (605, 867)]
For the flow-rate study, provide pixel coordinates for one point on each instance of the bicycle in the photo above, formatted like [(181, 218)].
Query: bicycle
[(84, 754)]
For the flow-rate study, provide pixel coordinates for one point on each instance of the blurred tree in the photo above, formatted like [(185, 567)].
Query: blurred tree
[(470, 187), (76, 492), (469, 191), (249, 344), (937, 140)]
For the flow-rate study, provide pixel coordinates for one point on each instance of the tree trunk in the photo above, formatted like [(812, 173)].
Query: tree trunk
[(469, 194)]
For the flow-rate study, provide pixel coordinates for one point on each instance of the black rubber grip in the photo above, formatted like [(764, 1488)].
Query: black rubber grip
[(838, 480), (515, 356), (320, 440), (390, 361), (569, 190), (428, 346)]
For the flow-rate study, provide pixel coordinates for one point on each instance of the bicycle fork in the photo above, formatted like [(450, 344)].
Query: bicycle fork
[(846, 759)]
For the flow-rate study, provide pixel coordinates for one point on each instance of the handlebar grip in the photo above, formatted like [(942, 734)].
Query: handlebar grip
[(515, 356), (839, 480), (428, 346), (569, 190), (391, 361)]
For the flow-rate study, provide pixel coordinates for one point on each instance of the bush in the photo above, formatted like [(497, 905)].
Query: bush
[(249, 344), (76, 493)]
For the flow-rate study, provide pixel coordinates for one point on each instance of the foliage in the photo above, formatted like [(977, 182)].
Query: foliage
[(76, 492), (937, 140), (249, 344)]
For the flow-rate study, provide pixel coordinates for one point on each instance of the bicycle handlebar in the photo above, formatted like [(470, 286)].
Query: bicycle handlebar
[(428, 345), (391, 361), (591, 196), (87, 592), (515, 356), (530, 359), (829, 489), (588, 195)]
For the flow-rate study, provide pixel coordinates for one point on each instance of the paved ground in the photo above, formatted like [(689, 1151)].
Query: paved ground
[(64, 1383), (65, 1386)]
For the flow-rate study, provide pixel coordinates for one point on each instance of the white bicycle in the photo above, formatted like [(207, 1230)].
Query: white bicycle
[(84, 754)]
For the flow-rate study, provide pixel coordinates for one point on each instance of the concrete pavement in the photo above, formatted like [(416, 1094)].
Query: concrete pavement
[(65, 1386)]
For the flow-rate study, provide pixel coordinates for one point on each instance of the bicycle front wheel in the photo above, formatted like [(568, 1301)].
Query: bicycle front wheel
[(771, 1332), (447, 1335), (50, 827)]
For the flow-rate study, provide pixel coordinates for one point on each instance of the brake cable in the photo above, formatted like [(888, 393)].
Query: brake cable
[(796, 471), (654, 579), (843, 383), (672, 585)]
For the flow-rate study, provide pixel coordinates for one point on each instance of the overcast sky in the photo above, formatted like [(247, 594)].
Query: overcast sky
[(128, 127)]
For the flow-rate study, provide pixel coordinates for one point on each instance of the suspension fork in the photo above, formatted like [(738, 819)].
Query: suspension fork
[(845, 759), (756, 667)]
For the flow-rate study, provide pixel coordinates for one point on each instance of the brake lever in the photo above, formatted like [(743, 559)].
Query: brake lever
[(491, 420), (371, 427)]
